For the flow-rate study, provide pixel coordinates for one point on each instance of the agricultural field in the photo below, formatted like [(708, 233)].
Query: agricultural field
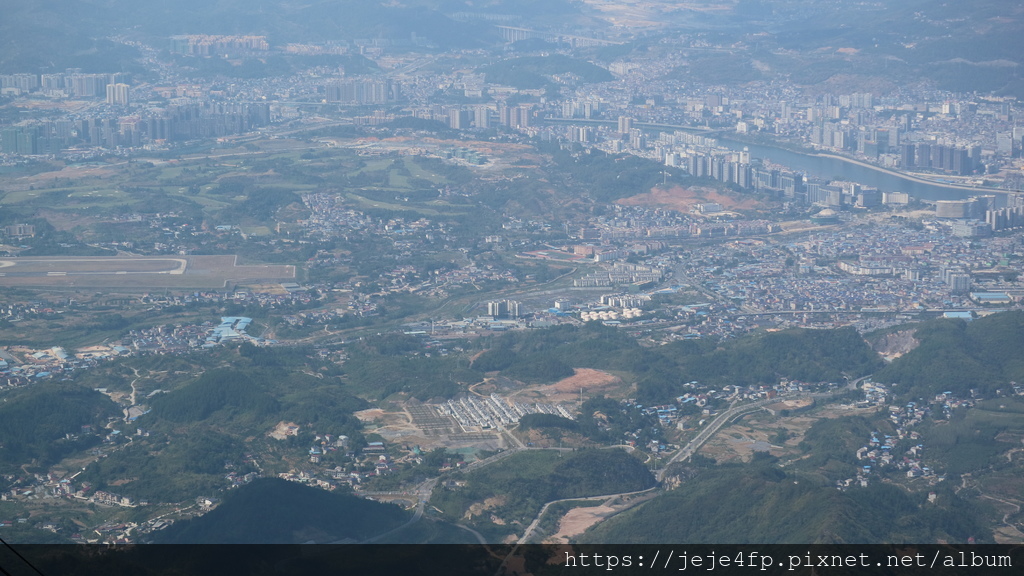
[(216, 201)]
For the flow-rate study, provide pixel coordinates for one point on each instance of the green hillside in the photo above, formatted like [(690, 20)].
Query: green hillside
[(250, 398), (44, 422), (957, 356), (805, 355), (202, 427), (514, 490), (796, 500), (759, 503), (272, 511)]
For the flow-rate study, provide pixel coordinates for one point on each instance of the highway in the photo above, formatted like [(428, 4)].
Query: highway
[(734, 412), (721, 420), (533, 525)]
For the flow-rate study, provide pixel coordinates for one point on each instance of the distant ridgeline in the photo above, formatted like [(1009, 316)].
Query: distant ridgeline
[(63, 34)]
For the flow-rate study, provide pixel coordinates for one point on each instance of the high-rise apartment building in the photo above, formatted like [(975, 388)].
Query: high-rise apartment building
[(359, 92), (117, 94), (625, 125), (503, 308)]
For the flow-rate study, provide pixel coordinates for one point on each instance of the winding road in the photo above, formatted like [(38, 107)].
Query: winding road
[(422, 492), (533, 525)]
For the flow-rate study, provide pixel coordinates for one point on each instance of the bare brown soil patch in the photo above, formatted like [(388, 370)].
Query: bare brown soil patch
[(577, 520), (370, 415), (394, 426), (590, 380), (684, 199), (284, 430), (275, 289), (481, 507), (586, 378)]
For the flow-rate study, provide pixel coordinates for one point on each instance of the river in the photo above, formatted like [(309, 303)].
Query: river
[(828, 168), (823, 167)]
